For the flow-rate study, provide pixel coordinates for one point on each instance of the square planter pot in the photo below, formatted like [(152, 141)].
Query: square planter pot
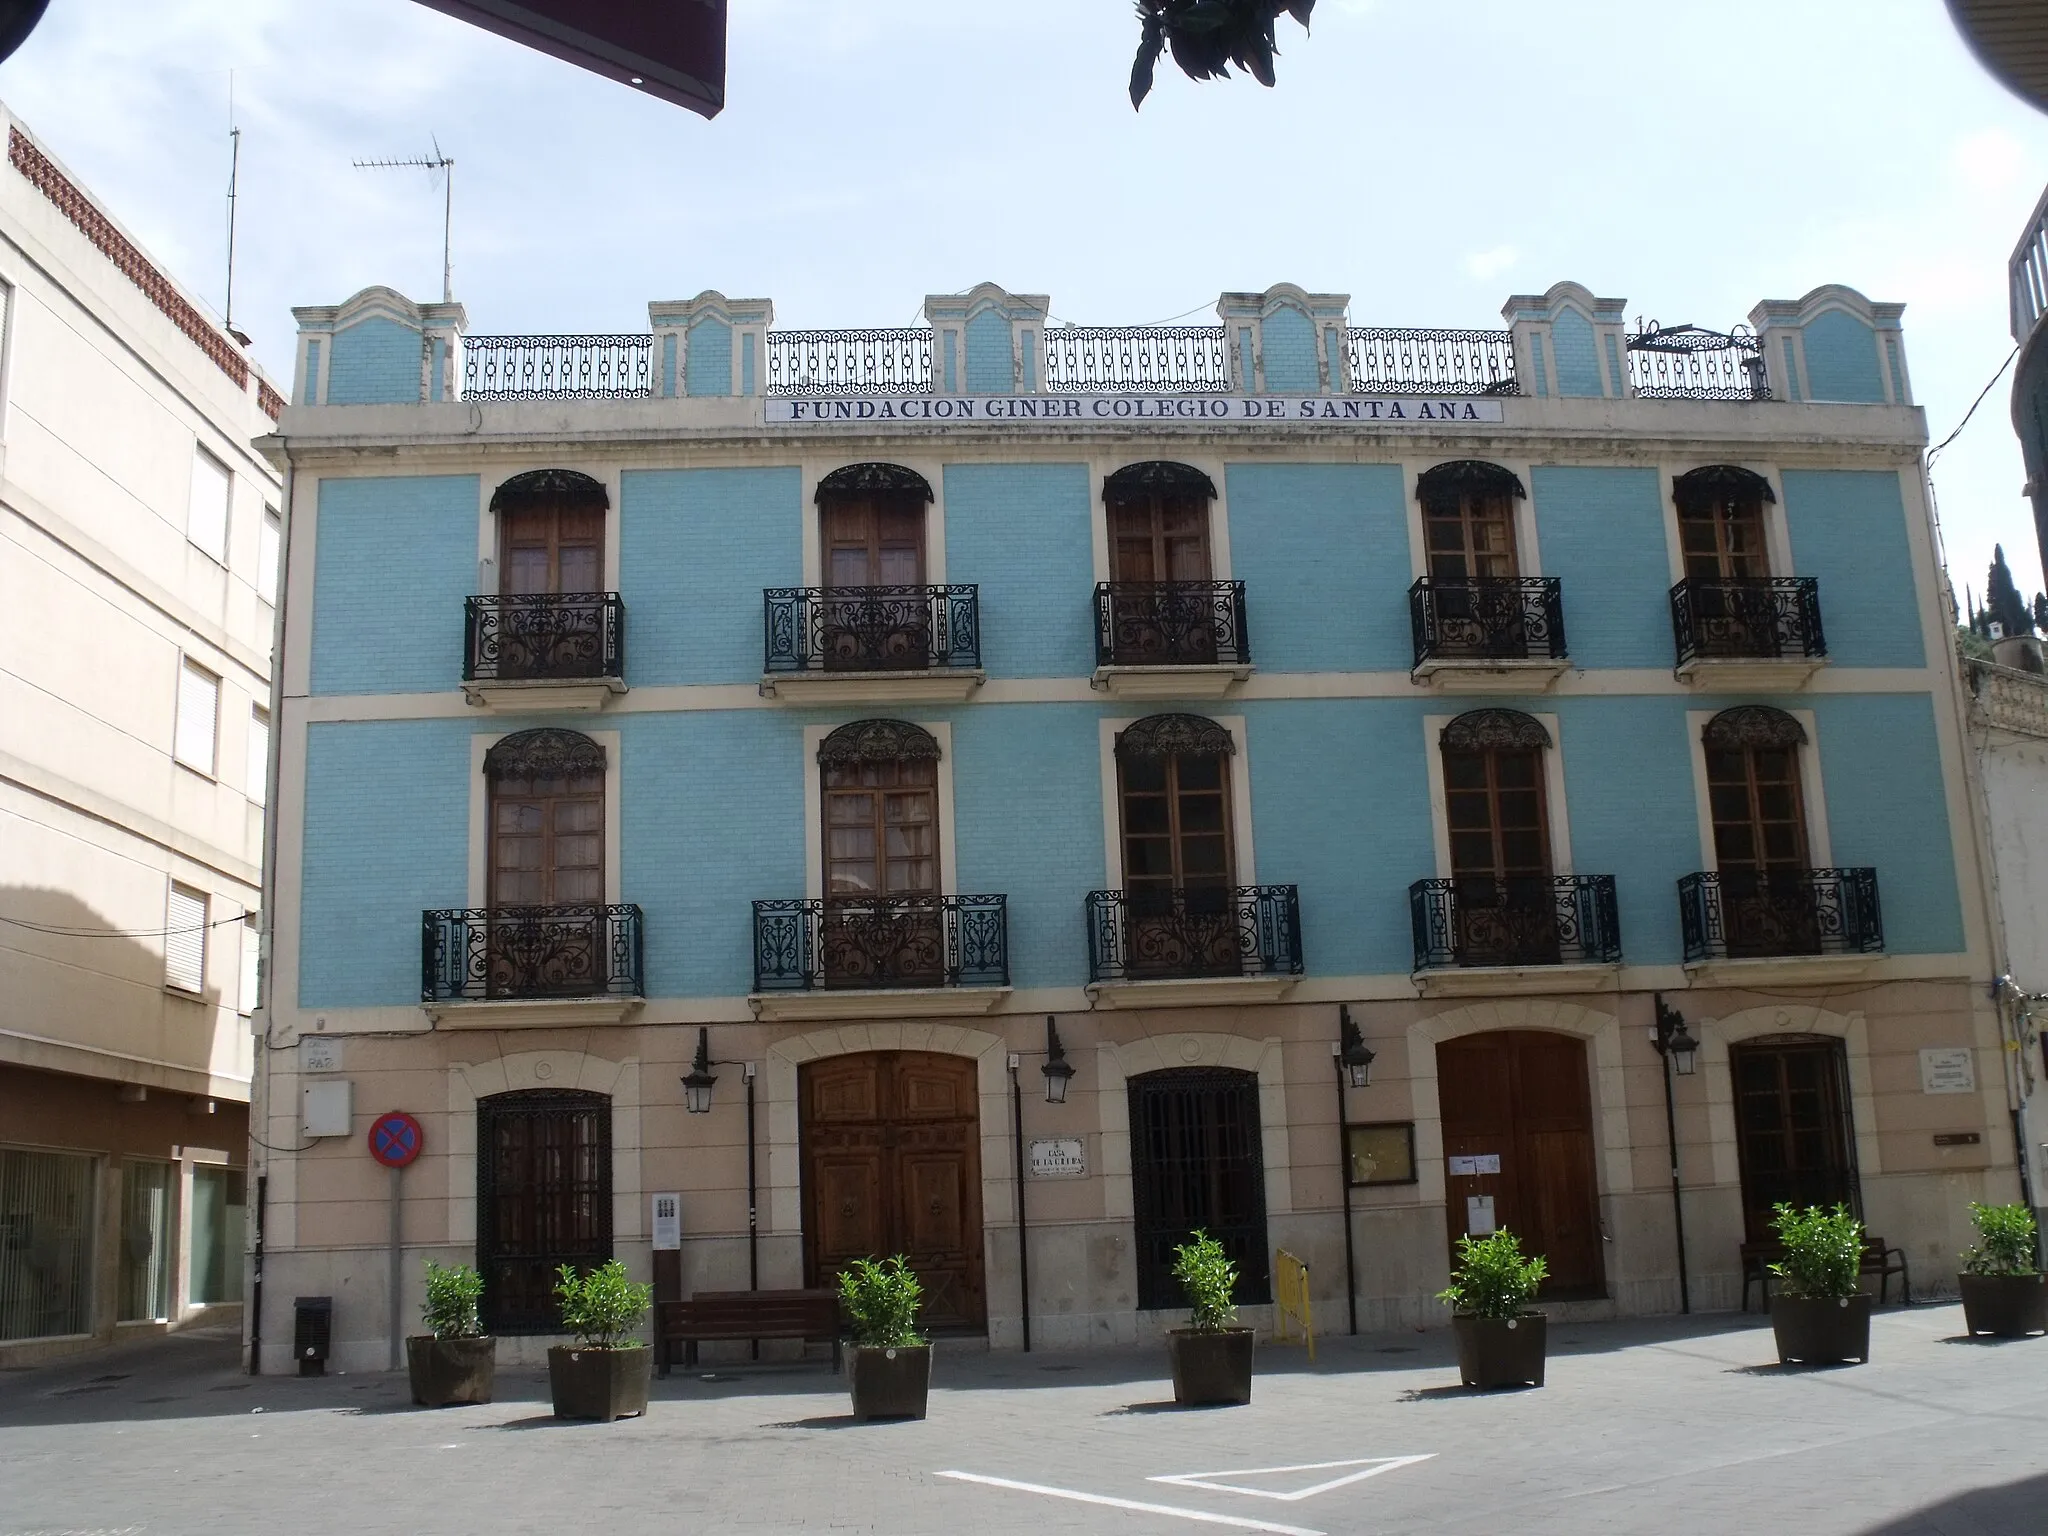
[(1821, 1330), (1211, 1367), (603, 1384), (2004, 1306), (448, 1371), (890, 1383), (1501, 1351)]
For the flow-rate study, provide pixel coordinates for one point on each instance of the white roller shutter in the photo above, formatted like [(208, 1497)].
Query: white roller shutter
[(185, 939), (206, 518), (198, 715)]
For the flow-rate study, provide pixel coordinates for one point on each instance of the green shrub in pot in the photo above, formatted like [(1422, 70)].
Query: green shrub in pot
[(1819, 1314), (1212, 1356), (890, 1372), (2004, 1293), (452, 1362), (1501, 1341), (604, 1374)]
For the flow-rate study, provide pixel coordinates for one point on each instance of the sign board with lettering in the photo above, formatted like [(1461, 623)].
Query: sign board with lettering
[(1354, 412), (319, 1053), (1479, 1215), (1059, 1157), (1948, 1069), (1478, 1163), (668, 1223)]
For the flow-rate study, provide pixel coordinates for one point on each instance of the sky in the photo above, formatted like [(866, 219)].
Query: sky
[(1690, 156)]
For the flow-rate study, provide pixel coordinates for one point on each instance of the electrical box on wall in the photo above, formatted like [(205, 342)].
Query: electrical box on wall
[(326, 1107)]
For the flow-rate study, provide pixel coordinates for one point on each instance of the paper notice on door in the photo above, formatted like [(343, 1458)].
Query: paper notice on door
[(1479, 1215), (1474, 1165)]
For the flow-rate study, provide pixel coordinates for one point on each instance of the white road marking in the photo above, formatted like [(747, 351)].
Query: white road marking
[(1150, 1509), (1373, 1465)]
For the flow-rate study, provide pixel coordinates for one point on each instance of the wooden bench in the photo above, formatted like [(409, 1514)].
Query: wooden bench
[(1878, 1259), (812, 1316)]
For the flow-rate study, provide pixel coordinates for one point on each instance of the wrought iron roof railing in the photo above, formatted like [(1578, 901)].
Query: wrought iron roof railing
[(1688, 362), (1410, 362), (557, 367), (1778, 913), (1136, 359), (872, 362)]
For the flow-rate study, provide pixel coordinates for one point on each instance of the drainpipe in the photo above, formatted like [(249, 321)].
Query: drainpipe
[(1023, 1233), (753, 1202), (256, 1280), (1344, 1183)]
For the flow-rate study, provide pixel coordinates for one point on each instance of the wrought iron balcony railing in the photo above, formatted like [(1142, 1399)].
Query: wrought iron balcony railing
[(479, 954), (1487, 618), (540, 636), (1171, 623), (557, 367), (874, 362), (1516, 920), (1148, 359), (872, 629), (1747, 617), (1688, 362), (1157, 933), (882, 941), (1407, 362), (1755, 914)]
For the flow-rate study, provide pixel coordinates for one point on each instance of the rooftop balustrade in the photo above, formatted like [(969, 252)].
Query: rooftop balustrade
[(1688, 362)]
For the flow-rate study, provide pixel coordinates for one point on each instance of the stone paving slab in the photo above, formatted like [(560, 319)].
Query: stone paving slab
[(1672, 1425)]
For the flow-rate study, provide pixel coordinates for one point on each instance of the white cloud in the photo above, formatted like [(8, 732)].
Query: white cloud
[(1991, 160), (1483, 266)]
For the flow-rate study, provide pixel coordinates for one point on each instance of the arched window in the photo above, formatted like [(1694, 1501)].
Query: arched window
[(1753, 786), (882, 921), (547, 820), (1499, 825), (871, 526), (550, 533), (1468, 520), (1721, 522), (1173, 787), (1158, 522)]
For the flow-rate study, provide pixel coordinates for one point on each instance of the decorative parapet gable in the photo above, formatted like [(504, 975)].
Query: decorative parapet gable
[(1285, 341), (711, 345), (1834, 346), (987, 341), (1568, 342), (378, 348)]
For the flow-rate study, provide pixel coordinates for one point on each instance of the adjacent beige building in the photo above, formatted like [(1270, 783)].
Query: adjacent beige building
[(139, 540)]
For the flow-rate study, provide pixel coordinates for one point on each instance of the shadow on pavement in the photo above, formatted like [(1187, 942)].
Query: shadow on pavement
[(2006, 1509)]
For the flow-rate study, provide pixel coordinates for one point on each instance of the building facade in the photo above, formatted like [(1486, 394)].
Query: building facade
[(139, 550), (1015, 794)]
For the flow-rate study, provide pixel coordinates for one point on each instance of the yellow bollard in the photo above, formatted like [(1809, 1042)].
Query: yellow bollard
[(1290, 1300)]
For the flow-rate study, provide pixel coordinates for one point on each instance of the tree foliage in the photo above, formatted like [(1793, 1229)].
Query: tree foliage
[(1207, 36)]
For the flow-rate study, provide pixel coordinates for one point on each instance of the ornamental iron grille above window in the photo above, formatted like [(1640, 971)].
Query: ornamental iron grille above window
[(546, 753), (1197, 1163), (544, 487), (877, 741), (873, 480), (1157, 477), (1753, 725), (544, 1199), (1159, 736), (1461, 478), (1481, 730)]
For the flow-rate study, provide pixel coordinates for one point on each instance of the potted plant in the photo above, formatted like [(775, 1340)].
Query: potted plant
[(891, 1368), (1501, 1341), (454, 1361), (604, 1374), (2004, 1292), (1212, 1356), (1819, 1313)]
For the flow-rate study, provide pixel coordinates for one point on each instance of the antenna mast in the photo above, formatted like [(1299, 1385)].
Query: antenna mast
[(436, 162), (234, 178)]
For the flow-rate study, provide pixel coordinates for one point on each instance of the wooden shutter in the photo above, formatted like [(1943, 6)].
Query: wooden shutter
[(185, 939), (198, 712)]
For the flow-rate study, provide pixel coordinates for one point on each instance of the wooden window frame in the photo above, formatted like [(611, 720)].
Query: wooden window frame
[(1225, 792), (877, 796)]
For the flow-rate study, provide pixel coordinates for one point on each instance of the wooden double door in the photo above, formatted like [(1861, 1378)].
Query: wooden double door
[(892, 1164), (1518, 1117)]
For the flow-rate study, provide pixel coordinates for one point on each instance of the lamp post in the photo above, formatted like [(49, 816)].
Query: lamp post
[(1352, 1058), (1680, 1050), (1058, 1072), (697, 1085)]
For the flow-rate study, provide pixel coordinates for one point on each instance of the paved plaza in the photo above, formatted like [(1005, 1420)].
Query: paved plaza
[(1676, 1425)]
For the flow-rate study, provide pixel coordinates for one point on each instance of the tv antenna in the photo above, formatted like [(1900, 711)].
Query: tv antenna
[(436, 162), (234, 176)]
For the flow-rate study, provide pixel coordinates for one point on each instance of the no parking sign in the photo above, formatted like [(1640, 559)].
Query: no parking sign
[(396, 1139)]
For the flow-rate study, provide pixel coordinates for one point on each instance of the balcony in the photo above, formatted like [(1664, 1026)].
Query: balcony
[(544, 650), (497, 966), (1754, 633), (1789, 925), (1488, 634), (871, 644), (1171, 639), (1537, 933), (880, 957), (1171, 946)]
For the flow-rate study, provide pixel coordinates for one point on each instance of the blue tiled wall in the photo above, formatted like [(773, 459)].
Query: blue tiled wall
[(376, 362), (1287, 346), (708, 369), (1601, 531), (990, 370), (1848, 528), (393, 561), (1841, 360), (1022, 533), (1323, 552), (387, 837), (1571, 343), (697, 546)]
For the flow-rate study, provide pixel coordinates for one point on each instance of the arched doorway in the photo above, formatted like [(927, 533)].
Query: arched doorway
[(1519, 1149), (891, 1145)]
